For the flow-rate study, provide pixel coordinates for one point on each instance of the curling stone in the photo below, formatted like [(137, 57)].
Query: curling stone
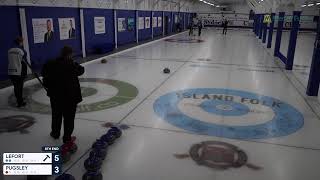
[(103, 61), (166, 70)]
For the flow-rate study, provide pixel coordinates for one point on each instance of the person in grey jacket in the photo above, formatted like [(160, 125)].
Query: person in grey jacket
[(17, 69)]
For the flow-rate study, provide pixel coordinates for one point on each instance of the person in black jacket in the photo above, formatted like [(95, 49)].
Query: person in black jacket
[(200, 26), (225, 26), (60, 77)]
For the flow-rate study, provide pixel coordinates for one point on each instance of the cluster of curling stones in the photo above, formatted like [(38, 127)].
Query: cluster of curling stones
[(98, 154)]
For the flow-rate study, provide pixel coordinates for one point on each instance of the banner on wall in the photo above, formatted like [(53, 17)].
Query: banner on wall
[(154, 22), (141, 22), (99, 25), (122, 24), (233, 18), (131, 23), (159, 21), (42, 30), (67, 28), (175, 18), (309, 22), (147, 22)]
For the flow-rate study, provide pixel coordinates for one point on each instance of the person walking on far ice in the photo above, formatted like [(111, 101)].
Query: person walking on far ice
[(200, 26), (191, 28), (225, 26)]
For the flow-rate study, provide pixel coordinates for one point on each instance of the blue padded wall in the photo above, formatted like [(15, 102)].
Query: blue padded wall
[(187, 20), (126, 37), (169, 15), (9, 16), (42, 52), (98, 40), (182, 20), (157, 31), (174, 24), (145, 34)]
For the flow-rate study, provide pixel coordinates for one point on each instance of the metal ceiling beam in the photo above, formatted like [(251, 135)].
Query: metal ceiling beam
[(185, 2), (138, 2), (156, 2)]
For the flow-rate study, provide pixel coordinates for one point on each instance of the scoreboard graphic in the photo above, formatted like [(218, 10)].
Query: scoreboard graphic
[(48, 162)]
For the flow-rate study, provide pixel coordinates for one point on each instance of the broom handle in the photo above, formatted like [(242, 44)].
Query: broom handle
[(35, 74)]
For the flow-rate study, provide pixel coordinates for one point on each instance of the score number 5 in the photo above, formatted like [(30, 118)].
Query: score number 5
[(56, 158)]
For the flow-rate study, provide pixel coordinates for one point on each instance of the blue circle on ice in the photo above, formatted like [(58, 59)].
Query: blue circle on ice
[(286, 119), (225, 108)]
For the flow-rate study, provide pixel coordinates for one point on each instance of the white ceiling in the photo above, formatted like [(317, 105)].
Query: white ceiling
[(267, 5)]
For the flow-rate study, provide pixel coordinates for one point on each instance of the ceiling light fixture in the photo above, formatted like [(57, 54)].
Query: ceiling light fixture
[(206, 2)]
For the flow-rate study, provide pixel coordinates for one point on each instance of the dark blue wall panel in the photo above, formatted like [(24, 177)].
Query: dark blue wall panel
[(9, 16), (158, 30), (187, 20), (145, 34), (42, 52), (126, 37), (98, 40), (174, 15), (184, 21), (170, 21)]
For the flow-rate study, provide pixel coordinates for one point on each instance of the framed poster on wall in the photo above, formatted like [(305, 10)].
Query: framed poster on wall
[(131, 24), (141, 22), (99, 25), (122, 24), (175, 18), (154, 22), (159, 21), (67, 28), (43, 31), (147, 22)]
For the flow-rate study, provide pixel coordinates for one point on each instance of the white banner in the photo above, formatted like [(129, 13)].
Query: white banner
[(42, 30), (154, 22), (122, 24), (141, 22), (67, 28), (159, 21), (147, 22), (307, 22), (243, 20), (234, 19), (99, 25)]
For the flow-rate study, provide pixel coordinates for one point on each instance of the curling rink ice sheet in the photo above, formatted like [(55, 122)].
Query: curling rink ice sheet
[(226, 111)]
